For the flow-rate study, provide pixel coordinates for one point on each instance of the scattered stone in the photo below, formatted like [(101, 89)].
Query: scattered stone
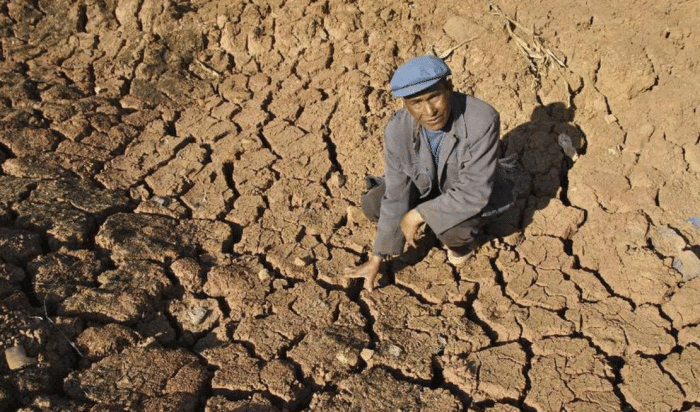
[(688, 264), (366, 354), (568, 147), (17, 358), (193, 315)]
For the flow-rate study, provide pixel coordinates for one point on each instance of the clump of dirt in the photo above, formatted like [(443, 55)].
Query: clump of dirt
[(179, 195)]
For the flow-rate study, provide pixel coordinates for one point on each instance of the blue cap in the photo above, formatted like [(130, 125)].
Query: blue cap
[(418, 74)]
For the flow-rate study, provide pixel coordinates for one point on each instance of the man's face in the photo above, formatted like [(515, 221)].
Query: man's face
[(431, 109)]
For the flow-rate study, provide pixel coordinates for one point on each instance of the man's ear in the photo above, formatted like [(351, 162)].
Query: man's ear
[(449, 86)]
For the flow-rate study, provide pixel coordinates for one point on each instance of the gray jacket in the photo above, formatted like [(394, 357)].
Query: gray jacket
[(465, 174)]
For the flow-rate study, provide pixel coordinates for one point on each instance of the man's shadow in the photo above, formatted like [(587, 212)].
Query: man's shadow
[(540, 174)]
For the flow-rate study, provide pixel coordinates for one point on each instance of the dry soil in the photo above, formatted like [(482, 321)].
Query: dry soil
[(179, 194)]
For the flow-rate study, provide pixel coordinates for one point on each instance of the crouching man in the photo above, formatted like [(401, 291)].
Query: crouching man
[(440, 163)]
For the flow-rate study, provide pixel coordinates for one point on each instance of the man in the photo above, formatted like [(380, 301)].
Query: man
[(440, 162)]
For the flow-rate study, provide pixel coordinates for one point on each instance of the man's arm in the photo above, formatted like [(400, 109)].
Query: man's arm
[(389, 240)]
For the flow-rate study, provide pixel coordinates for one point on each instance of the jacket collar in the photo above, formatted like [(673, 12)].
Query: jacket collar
[(457, 131)]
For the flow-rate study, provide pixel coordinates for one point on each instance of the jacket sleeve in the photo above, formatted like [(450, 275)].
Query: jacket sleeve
[(396, 200), (470, 193)]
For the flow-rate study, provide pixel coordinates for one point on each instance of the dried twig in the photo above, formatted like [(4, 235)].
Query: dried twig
[(46, 313), (449, 51), (534, 50)]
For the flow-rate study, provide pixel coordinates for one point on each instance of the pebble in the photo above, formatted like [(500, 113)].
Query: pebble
[(567, 146), (263, 275), (688, 264), (694, 221), (366, 354), (17, 358), (197, 314), (395, 351)]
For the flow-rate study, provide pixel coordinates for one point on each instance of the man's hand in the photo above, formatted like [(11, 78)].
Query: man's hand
[(369, 271), (410, 222)]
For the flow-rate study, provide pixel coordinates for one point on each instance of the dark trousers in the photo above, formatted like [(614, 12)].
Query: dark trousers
[(459, 238)]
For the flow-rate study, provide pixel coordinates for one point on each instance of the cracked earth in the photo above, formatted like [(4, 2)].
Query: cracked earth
[(179, 193)]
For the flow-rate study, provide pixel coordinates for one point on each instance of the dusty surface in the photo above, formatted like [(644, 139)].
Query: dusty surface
[(179, 192)]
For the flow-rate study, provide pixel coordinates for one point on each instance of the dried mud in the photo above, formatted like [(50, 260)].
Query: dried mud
[(179, 194)]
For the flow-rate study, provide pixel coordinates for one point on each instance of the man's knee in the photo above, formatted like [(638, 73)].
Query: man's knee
[(372, 201), (462, 234)]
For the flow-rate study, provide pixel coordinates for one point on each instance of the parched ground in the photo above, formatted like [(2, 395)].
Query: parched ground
[(179, 194)]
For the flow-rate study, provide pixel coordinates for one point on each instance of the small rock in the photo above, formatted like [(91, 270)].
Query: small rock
[(694, 221), (263, 275), (342, 358), (688, 264), (17, 358), (567, 146), (395, 351), (301, 262), (337, 180), (366, 354), (197, 314)]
